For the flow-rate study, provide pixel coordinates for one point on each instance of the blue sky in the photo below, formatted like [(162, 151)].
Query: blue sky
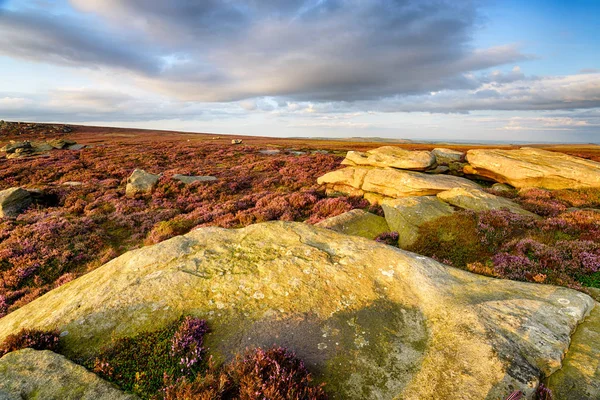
[(427, 69)]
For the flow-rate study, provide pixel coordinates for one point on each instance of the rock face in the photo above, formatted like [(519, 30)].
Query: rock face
[(187, 179), (390, 183), (27, 148), (357, 223), (579, 378), (478, 200), (33, 374), (13, 201), (406, 215), (528, 167), (373, 321), (446, 156), (389, 156), (140, 182)]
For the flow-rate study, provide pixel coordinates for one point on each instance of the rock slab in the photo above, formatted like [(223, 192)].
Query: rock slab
[(34, 374), (478, 200), (530, 167), (390, 182), (446, 156), (357, 223), (406, 215), (187, 179), (13, 201), (390, 156), (373, 321)]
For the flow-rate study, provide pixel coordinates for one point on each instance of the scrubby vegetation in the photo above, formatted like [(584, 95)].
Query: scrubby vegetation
[(30, 338), (563, 248)]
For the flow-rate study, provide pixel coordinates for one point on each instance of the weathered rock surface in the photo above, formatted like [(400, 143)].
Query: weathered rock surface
[(357, 223), (61, 143), (34, 374), (529, 167), (579, 378), (478, 200), (373, 321), (440, 169), (187, 179), (446, 156), (406, 215), (236, 141), (395, 157), (13, 201), (33, 148), (389, 182), (501, 187), (141, 182)]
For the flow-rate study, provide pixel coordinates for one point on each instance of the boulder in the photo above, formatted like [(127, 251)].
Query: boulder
[(391, 183), (76, 147), (357, 223), (141, 182), (478, 200), (41, 147), (501, 187), (579, 377), (406, 215), (446, 156), (34, 374), (13, 201), (456, 168), (530, 167), (60, 143), (236, 141), (373, 321), (395, 157), (187, 179), (13, 146)]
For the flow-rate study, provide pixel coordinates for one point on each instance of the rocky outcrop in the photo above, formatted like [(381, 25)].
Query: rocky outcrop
[(34, 374), (446, 156), (390, 183), (478, 200), (13, 201), (579, 377), (371, 320), (529, 167), (141, 182), (187, 179), (390, 156), (357, 223), (406, 215), (32, 148)]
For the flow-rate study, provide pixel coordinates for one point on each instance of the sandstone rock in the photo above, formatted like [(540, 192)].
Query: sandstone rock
[(456, 168), (270, 152), (446, 156), (76, 147), (536, 168), (501, 187), (187, 179), (357, 223), (392, 183), (13, 146), (236, 141), (373, 321), (141, 182), (579, 377), (406, 215), (13, 201), (395, 157), (60, 143), (478, 200), (33, 374), (41, 147), (440, 169)]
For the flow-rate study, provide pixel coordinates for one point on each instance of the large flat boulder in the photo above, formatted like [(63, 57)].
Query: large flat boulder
[(478, 200), (391, 183), (13, 201), (390, 156), (406, 215), (529, 167), (372, 320), (34, 374), (357, 223), (446, 156)]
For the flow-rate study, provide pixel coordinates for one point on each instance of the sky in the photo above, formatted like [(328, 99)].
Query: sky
[(450, 70)]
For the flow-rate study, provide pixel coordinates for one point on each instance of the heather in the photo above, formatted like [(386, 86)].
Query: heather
[(74, 228), (30, 338), (563, 249)]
